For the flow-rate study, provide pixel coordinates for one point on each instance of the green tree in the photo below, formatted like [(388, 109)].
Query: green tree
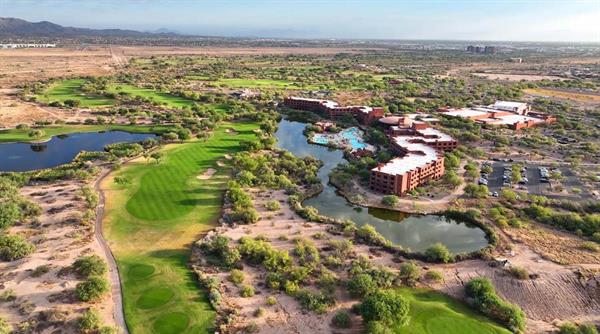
[(361, 285), (386, 306), (92, 265), (14, 247), (92, 289), (89, 322), (438, 253)]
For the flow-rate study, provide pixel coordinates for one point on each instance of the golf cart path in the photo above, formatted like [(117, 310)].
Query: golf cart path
[(113, 270)]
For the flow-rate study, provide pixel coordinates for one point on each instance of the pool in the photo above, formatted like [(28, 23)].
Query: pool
[(351, 137)]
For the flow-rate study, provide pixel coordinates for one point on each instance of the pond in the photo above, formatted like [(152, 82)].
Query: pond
[(22, 157), (416, 232)]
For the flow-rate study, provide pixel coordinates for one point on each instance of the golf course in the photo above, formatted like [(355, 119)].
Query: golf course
[(433, 313), (70, 89), (154, 211), (22, 135)]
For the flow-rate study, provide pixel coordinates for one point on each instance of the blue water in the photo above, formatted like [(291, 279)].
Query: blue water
[(415, 232), (351, 136), (22, 157)]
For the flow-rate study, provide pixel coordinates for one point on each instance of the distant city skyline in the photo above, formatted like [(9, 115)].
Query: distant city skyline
[(510, 20)]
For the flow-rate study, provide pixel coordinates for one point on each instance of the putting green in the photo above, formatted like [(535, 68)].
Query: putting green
[(435, 313), (171, 323), (154, 298), (151, 223), (141, 271)]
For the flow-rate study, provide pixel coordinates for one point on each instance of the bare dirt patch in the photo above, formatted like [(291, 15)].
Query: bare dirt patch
[(60, 238), (564, 94)]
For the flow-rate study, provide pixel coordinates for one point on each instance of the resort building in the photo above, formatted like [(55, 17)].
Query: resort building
[(332, 109), (421, 158), (515, 115)]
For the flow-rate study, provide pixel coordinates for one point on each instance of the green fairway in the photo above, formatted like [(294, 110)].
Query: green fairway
[(21, 135), (151, 223), (71, 90), (435, 313), (161, 98)]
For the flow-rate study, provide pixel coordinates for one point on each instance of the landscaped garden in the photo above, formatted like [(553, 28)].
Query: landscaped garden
[(154, 211)]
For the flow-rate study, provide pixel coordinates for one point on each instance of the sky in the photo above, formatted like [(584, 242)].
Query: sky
[(491, 20)]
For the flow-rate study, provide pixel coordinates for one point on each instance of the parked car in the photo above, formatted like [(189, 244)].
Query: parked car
[(495, 194)]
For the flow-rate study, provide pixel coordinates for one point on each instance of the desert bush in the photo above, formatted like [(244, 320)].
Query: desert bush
[(259, 312), (489, 303), (314, 301), (518, 272), (410, 272), (386, 306), (390, 200), (5, 327), (89, 322), (342, 320), (590, 246), (361, 285), (306, 251), (92, 289), (40, 270), (271, 300), (273, 205), (236, 276), (92, 265), (247, 291), (571, 328), (368, 235), (438, 253), (14, 247), (378, 327), (434, 275)]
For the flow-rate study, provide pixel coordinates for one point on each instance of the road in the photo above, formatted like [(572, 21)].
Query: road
[(113, 270)]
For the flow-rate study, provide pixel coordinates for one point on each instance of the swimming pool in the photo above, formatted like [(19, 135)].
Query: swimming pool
[(351, 137)]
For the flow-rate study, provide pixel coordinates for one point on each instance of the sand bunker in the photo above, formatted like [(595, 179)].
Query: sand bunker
[(208, 174), (220, 163), (228, 156), (231, 131)]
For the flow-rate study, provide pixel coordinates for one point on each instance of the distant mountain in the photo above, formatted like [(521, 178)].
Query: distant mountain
[(13, 27)]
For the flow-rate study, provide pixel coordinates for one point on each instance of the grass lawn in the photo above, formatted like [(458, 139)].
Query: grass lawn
[(71, 90), (166, 99), (21, 135), (151, 223), (435, 313)]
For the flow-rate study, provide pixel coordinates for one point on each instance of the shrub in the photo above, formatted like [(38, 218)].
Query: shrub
[(251, 328), (386, 306), (247, 291), (89, 322), (92, 289), (570, 328), (341, 320), (489, 303), (378, 327), (590, 246), (87, 266), (259, 312), (236, 276), (290, 287), (518, 272), (5, 327), (8, 295), (361, 285), (271, 300), (306, 251), (410, 272), (314, 301), (14, 247), (434, 275), (438, 253), (367, 234), (40, 270), (390, 200), (273, 205)]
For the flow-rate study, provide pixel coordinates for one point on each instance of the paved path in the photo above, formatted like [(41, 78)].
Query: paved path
[(113, 270)]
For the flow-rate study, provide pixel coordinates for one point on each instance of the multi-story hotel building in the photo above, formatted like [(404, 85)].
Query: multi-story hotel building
[(332, 109), (421, 159)]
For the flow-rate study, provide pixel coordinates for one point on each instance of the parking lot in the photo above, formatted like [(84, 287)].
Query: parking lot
[(534, 184)]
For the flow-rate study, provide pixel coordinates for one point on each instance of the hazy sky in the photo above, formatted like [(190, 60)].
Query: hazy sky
[(517, 20)]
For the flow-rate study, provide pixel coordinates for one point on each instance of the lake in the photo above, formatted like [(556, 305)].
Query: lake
[(415, 232), (61, 149)]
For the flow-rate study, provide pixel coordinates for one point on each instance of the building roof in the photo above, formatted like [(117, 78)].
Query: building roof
[(467, 112), (418, 155), (508, 105), (390, 120)]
